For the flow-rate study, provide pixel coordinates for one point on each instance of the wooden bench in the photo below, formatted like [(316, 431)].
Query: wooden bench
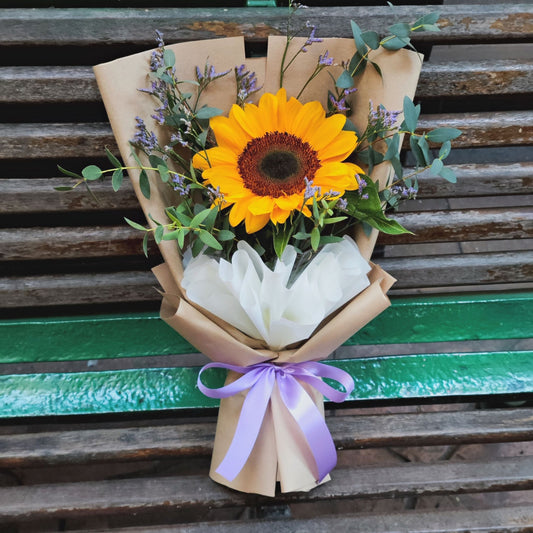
[(102, 427)]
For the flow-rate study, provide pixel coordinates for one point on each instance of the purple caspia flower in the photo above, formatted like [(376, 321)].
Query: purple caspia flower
[(325, 60), (143, 138), (381, 117), (180, 186), (342, 204), (311, 190), (246, 84)]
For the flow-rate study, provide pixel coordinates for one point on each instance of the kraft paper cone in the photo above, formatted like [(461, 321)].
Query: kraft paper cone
[(280, 452)]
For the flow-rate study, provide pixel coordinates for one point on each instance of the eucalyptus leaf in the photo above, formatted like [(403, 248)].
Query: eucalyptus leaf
[(410, 113), (134, 224), (69, 173), (116, 179), (344, 81), (436, 167), (429, 18), (158, 234), (358, 38), (199, 218), (327, 239), (440, 135), (396, 43), (393, 147), (400, 29), (377, 68), (114, 161), (145, 244), (422, 143), (169, 58), (208, 112), (315, 238), (63, 188), (225, 235), (397, 166), (144, 184), (163, 173), (91, 173), (155, 161), (371, 39), (445, 150), (417, 152), (448, 174)]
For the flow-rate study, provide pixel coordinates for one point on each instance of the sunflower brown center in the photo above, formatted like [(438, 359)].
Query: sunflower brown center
[(277, 164)]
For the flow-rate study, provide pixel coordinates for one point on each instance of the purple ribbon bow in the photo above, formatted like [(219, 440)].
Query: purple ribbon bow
[(260, 380)]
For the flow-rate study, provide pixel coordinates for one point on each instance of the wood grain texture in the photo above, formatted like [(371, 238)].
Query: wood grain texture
[(198, 491), (349, 432), (85, 26), (76, 84), (516, 519), (88, 140)]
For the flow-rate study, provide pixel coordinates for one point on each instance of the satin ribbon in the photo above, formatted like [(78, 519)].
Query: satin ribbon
[(259, 380)]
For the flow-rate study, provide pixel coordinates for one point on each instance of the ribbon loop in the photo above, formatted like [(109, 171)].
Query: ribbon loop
[(259, 381)]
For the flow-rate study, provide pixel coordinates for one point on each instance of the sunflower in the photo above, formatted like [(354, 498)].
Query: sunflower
[(267, 153)]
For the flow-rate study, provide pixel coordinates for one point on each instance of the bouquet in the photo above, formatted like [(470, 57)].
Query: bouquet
[(264, 182)]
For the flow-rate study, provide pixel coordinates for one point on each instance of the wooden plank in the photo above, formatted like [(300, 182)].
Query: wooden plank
[(136, 26), (60, 141), (31, 195), (138, 495), (37, 195), (42, 243), (76, 84), (78, 289), (463, 225), (349, 432), (517, 519), (139, 286)]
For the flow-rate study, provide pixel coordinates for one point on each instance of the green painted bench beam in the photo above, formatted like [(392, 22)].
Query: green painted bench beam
[(403, 377), (406, 377), (428, 318)]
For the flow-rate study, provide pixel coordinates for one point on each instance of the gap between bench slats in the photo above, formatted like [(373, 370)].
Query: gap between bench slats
[(37, 195), (517, 519), (76, 84), (138, 495), (85, 26), (60, 141), (349, 432)]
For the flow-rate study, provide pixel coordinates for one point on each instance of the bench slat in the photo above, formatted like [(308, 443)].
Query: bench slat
[(152, 389), (137, 495), (183, 440), (517, 519), (60, 141), (31, 195), (457, 271), (136, 26), (452, 318), (112, 241), (76, 84)]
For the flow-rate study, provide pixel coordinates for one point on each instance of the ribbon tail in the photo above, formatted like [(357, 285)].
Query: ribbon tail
[(311, 422), (248, 427)]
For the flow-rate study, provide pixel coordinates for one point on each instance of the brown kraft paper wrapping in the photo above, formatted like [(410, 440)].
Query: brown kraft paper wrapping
[(280, 452)]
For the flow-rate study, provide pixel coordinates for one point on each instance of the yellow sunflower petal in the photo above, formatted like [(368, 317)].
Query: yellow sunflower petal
[(256, 222), (229, 134), (219, 155), (327, 132), (261, 205), (200, 160), (247, 119), (268, 110), (308, 119), (279, 216), (289, 203), (340, 147), (239, 211)]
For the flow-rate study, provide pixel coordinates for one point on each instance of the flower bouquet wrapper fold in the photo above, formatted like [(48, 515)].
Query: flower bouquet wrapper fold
[(280, 452)]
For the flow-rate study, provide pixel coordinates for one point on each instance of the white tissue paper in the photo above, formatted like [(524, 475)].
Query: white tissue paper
[(258, 301)]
